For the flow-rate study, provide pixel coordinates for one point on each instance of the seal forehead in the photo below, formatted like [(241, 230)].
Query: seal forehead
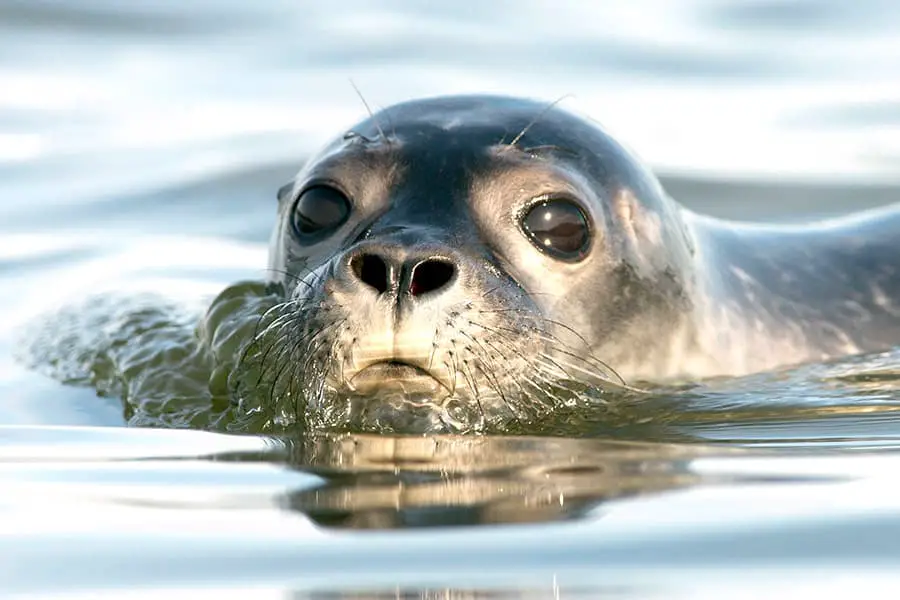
[(454, 111), (442, 149), (482, 120)]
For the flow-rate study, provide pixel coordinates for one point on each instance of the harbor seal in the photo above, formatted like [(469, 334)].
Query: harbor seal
[(472, 259)]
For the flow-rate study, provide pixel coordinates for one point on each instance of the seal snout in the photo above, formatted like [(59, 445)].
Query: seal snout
[(400, 271), (397, 298)]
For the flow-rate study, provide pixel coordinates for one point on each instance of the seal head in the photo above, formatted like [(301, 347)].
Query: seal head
[(463, 261)]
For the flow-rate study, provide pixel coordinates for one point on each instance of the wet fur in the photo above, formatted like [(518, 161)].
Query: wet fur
[(513, 364), (664, 294)]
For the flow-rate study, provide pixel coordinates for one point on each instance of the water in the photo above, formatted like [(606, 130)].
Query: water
[(140, 149)]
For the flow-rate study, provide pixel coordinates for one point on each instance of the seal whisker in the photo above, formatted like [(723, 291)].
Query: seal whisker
[(480, 361), (509, 344), (492, 381), (490, 291), (531, 294), (501, 338), (561, 347), (285, 366), (313, 363), (587, 358), (254, 344), (451, 369), (256, 331), (531, 315), (548, 148), (545, 394), (537, 118), (313, 337), (314, 345), (434, 345), (473, 386), (554, 382), (281, 348), (299, 278), (372, 116), (276, 327)]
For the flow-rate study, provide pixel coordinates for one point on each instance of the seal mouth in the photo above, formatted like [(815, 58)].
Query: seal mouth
[(397, 375)]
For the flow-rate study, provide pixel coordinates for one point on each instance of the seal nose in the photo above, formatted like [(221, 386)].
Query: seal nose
[(430, 275), (414, 276)]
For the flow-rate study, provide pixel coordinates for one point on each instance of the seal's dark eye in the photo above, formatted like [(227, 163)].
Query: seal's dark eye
[(320, 208), (559, 228)]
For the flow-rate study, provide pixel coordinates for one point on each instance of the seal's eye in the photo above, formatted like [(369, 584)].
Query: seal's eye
[(558, 227), (319, 208)]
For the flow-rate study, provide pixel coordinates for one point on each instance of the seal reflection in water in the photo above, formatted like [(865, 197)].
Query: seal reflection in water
[(404, 482), (461, 262)]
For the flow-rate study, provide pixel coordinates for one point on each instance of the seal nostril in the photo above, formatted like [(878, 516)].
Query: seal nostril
[(371, 270), (431, 275)]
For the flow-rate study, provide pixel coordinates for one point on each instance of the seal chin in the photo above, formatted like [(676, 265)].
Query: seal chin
[(390, 394), (397, 376)]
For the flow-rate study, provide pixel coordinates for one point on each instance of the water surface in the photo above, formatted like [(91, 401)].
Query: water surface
[(140, 149)]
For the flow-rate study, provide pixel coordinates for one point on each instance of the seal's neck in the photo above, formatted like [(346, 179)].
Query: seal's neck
[(769, 296)]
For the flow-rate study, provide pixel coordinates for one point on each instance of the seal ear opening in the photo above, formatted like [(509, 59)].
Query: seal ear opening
[(284, 191)]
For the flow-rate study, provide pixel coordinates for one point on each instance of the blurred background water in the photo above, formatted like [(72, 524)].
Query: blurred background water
[(141, 145)]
